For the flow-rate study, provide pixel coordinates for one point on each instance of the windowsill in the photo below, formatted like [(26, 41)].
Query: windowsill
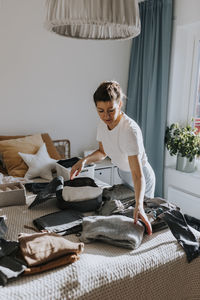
[(195, 174), (182, 181)]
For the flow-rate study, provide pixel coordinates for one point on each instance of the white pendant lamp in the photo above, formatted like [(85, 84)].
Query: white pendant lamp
[(94, 19)]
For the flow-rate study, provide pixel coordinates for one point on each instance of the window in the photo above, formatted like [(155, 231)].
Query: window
[(197, 95)]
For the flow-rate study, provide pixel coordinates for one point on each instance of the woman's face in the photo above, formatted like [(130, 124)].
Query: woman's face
[(109, 112)]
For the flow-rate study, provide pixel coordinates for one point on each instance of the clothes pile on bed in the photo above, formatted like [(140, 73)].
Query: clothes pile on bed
[(103, 270), (34, 253), (111, 222), (114, 208)]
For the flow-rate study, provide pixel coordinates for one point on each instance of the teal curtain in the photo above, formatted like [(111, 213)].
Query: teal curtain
[(147, 92)]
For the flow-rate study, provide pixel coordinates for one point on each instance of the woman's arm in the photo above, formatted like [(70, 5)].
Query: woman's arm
[(97, 155), (139, 187)]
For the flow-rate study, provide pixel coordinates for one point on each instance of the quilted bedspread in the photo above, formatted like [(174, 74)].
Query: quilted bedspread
[(158, 269)]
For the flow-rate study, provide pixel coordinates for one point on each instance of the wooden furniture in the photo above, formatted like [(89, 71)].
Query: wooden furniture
[(63, 147)]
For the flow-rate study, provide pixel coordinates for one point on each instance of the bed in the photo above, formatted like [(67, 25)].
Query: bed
[(158, 269)]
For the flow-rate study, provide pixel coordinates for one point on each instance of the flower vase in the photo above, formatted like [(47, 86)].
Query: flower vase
[(184, 165)]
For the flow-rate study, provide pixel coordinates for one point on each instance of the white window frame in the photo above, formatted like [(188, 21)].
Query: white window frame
[(194, 79)]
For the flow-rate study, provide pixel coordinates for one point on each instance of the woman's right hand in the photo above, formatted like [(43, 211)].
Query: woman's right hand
[(97, 155), (139, 213), (77, 168)]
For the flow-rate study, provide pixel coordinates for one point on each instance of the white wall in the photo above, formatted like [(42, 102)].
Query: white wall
[(47, 81)]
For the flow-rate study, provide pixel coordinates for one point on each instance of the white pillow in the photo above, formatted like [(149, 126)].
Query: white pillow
[(40, 164)]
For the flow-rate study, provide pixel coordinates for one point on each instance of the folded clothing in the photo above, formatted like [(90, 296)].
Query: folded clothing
[(61, 261), (110, 207), (119, 192), (39, 248), (116, 230), (35, 253), (159, 202), (124, 207), (61, 222)]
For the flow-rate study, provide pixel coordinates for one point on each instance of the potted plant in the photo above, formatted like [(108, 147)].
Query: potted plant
[(185, 143)]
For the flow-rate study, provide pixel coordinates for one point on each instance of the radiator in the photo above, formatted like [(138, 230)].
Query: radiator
[(188, 203)]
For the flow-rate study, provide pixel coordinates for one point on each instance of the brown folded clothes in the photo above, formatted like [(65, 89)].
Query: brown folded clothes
[(61, 261), (40, 248)]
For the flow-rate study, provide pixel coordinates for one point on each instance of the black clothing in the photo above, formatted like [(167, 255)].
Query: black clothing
[(179, 228)]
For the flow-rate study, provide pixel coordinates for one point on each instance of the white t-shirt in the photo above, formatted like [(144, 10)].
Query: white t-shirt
[(122, 141)]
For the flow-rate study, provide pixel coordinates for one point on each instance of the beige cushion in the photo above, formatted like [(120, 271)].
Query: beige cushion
[(9, 150), (53, 153)]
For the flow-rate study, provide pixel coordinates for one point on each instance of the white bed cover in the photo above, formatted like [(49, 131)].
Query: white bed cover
[(158, 269)]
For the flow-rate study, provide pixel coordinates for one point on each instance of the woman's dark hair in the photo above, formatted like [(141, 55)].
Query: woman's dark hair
[(108, 91)]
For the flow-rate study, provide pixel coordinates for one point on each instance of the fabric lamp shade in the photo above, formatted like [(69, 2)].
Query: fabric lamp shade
[(94, 19)]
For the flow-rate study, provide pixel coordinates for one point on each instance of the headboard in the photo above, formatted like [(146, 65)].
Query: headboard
[(63, 148)]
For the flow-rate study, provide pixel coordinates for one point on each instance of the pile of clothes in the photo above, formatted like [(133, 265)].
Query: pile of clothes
[(34, 253), (113, 219), (110, 221)]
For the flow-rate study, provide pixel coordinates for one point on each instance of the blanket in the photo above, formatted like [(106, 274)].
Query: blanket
[(158, 269)]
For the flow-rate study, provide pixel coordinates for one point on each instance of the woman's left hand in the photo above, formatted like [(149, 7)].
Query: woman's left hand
[(140, 213)]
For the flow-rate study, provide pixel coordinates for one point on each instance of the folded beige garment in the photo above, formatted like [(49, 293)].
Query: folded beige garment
[(61, 261), (39, 248)]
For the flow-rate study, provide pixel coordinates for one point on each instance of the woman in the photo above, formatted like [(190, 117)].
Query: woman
[(120, 138)]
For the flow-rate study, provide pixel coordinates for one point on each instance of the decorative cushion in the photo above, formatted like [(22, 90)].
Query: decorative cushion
[(46, 139), (40, 164), (9, 149)]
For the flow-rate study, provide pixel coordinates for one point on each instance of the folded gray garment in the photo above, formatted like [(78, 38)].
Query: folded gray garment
[(115, 206), (116, 230), (118, 191), (159, 202), (111, 207)]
